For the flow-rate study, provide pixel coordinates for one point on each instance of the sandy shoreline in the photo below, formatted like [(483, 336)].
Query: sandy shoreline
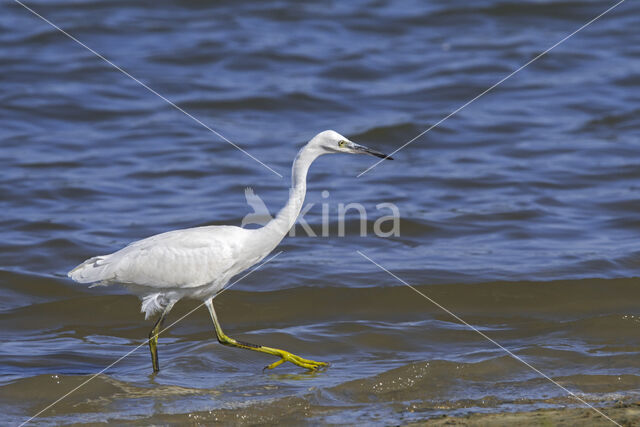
[(627, 414)]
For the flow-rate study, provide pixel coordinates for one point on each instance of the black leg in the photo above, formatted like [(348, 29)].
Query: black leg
[(153, 342)]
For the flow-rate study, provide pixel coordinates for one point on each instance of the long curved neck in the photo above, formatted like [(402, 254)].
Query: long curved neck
[(280, 225)]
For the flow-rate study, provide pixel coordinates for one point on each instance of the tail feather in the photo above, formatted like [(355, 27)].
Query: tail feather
[(93, 270)]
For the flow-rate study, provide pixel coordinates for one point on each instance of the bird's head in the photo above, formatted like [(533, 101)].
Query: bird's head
[(330, 141)]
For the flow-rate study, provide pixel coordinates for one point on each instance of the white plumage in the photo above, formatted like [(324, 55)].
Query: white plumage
[(199, 262), (192, 262)]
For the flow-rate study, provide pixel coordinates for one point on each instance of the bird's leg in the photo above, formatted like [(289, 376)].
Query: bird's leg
[(285, 356), (153, 341)]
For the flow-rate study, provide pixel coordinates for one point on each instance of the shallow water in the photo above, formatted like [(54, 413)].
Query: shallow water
[(519, 213)]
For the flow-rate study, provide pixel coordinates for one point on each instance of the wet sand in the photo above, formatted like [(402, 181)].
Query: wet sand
[(625, 414)]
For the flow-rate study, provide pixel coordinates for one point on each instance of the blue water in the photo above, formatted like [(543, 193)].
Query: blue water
[(523, 205)]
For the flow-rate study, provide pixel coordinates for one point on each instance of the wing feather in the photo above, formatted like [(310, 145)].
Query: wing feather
[(181, 258)]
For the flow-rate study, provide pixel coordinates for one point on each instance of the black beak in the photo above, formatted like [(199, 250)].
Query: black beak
[(361, 149)]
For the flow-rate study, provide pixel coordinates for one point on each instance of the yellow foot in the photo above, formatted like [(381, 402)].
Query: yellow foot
[(312, 365)]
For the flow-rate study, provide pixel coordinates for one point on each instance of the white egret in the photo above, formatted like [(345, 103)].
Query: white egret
[(199, 262)]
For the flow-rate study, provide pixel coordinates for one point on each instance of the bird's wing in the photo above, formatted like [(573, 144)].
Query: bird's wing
[(177, 259)]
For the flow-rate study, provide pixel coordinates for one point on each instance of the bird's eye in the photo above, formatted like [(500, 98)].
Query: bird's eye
[(342, 143)]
